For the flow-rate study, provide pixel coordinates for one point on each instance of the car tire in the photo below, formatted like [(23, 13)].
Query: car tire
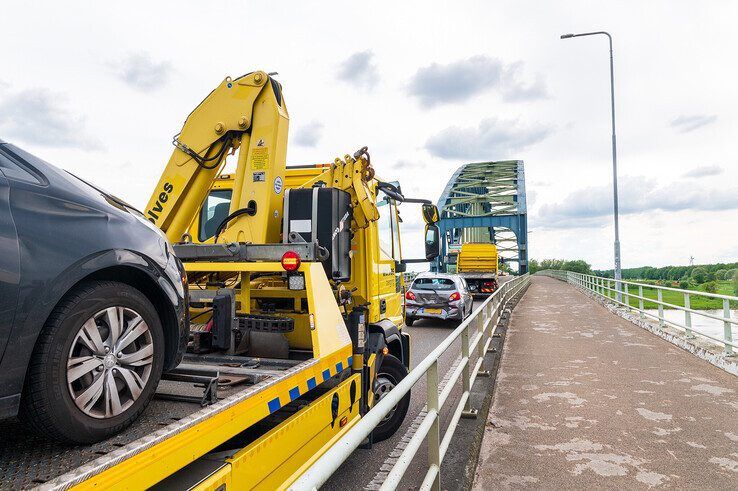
[(391, 372), (409, 320), (95, 365)]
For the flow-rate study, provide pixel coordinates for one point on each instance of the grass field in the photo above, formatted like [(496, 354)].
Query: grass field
[(676, 298)]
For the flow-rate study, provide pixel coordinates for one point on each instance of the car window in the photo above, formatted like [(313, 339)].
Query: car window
[(434, 284), (213, 211), (14, 168)]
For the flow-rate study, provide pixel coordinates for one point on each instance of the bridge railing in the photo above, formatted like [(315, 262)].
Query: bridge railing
[(622, 292), (476, 334)]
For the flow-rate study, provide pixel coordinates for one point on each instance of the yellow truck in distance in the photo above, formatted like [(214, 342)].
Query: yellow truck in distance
[(478, 263)]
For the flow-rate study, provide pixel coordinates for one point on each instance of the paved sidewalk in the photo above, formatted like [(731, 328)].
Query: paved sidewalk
[(585, 400)]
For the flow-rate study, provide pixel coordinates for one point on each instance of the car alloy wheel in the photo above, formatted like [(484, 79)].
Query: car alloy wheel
[(110, 362)]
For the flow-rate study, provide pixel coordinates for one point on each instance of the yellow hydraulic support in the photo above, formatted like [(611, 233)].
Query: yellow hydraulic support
[(249, 114)]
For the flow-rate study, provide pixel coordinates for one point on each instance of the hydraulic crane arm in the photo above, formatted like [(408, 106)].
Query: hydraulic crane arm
[(353, 175), (248, 114)]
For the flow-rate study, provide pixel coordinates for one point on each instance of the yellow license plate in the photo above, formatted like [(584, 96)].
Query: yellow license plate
[(433, 311)]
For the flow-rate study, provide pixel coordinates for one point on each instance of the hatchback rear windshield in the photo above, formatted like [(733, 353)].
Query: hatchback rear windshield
[(434, 284)]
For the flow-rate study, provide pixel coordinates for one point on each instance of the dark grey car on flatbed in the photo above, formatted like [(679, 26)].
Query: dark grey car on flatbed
[(92, 303)]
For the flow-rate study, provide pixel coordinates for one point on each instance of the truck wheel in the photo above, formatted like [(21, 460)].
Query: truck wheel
[(95, 365), (409, 321), (391, 372)]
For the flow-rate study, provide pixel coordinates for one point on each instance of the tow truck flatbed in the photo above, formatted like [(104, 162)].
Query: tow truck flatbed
[(170, 434)]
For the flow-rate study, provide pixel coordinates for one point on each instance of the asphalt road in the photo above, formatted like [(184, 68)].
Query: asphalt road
[(362, 466)]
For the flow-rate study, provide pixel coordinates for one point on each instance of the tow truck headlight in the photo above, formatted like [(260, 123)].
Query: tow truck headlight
[(296, 282)]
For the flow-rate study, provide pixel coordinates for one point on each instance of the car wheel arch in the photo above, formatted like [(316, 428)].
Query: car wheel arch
[(126, 267)]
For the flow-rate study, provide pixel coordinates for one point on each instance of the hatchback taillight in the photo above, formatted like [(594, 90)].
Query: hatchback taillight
[(455, 296), (410, 295)]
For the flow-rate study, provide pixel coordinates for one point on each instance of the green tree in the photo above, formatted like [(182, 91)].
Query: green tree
[(721, 274), (575, 265), (578, 266), (699, 275), (710, 287), (735, 282)]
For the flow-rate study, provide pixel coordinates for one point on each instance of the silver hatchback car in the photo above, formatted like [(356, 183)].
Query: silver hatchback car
[(438, 296)]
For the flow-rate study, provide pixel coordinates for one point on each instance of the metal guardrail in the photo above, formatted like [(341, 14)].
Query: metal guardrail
[(604, 287), (476, 336)]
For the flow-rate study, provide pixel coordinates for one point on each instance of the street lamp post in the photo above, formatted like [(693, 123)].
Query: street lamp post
[(618, 273)]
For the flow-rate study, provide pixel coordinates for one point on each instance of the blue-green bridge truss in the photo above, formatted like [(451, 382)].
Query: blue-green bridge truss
[(485, 202)]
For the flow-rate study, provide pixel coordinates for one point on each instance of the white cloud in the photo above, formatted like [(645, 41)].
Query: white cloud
[(516, 89), (40, 117), (592, 206), (493, 139), (404, 164), (359, 70), (704, 171), (461, 80), (141, 72), (685, 124), (309, 135), (455, 82)]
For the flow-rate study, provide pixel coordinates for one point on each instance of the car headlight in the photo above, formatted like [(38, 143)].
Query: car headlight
[(163, 241)]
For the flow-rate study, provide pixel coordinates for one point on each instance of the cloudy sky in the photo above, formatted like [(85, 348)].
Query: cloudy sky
[(427, 86)]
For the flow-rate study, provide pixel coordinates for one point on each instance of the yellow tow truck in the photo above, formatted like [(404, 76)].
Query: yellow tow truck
[(478, 264), (296, 306)]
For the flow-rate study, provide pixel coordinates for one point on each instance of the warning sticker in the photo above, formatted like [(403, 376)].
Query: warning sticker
[(259, 177), (260, 158)]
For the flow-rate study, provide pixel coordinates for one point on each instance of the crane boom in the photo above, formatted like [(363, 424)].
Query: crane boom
[(247, 114)]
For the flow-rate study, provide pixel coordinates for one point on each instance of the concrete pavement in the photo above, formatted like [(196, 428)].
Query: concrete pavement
[(586, 399)]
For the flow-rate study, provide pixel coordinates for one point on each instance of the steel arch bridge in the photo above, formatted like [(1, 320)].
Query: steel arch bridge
[(485, 202)]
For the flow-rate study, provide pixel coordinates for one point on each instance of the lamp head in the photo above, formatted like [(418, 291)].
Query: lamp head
[(567, 36)]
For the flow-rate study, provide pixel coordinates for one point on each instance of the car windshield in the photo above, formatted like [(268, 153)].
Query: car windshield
[(433, 284), (112, 199)]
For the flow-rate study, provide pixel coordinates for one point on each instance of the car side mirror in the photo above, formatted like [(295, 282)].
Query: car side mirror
[(432, 242), (430, 213)]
